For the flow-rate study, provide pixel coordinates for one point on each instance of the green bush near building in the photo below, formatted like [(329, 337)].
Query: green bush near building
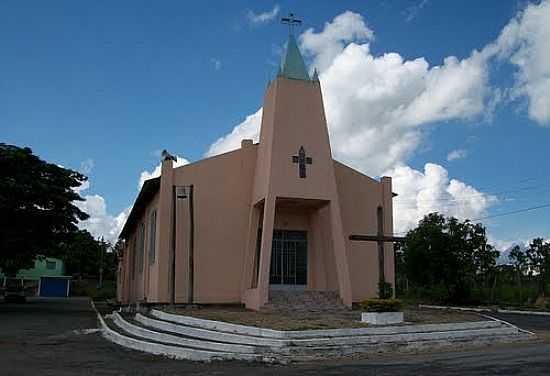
[(381, 305), (88, 287)]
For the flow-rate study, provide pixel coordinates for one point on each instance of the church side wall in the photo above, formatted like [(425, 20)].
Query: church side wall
[(151, 263), (222, 188), (136, 283), (359, 198)]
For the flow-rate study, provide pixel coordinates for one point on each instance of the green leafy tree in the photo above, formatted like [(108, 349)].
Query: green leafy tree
[(401, 281), (83, 254), (110, 264), (538, 255), (520, 263), (448, 254), (118, 249), (37, 208)]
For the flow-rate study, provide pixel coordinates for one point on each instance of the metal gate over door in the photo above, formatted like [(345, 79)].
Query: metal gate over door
[(289, 258)]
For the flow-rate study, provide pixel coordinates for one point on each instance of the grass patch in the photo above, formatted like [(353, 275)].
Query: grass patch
[(314, 320)]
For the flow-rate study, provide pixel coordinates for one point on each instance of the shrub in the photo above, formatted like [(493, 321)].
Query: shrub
[(381, 305), (88, 287), (385, 290)]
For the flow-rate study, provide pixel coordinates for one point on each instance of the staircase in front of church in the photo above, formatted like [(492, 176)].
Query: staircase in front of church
[(185, 337), (294, 300)]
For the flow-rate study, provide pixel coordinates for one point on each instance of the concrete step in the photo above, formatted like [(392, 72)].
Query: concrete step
[(119, 331), (288, 342), (225, 327), (185, 337), (304, 301), (208, 334), (142, 331)]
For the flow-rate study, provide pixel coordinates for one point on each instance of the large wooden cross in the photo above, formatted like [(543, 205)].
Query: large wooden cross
[(380, 238)]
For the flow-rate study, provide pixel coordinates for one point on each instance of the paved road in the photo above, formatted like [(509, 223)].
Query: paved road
[(535, 323), (47, 337)]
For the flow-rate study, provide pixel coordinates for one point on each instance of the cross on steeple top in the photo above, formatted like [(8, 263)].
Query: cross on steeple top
[(291, 21), (302, 161)]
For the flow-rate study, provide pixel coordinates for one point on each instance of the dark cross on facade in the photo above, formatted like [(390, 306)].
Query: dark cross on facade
[(291, 21), (380, 238), (302, 161)]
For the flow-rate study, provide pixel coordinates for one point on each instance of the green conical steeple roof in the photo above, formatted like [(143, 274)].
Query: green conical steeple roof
[(292, 64)]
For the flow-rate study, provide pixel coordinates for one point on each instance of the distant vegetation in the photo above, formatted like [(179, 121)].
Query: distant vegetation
[(37, 206), (448, 261), (39, 217)]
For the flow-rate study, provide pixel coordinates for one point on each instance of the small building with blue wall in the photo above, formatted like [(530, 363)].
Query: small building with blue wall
[(46, 278)]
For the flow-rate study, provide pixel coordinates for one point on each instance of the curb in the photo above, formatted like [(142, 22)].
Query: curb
[(509, 324), (538, 313), (498, 310), (279, 335), (102, 324), (469, 309)]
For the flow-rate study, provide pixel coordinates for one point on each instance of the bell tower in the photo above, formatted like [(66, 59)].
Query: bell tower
[(294, 168)]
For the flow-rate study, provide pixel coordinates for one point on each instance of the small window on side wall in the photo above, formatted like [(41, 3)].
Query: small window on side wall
[(50, 265), (152, 236)]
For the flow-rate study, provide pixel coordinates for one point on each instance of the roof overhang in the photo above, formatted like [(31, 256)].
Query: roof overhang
[(148, 191)]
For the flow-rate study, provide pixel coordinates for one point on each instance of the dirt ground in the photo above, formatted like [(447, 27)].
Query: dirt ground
[(314, 320)]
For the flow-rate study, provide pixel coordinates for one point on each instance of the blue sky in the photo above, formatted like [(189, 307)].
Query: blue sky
[(103, 86)]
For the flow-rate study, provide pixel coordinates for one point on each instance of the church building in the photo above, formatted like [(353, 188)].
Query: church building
[(277, 214)]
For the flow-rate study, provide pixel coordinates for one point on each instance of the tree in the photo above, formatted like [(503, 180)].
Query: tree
[(448, 254), (82, 253), (37, 208), (118, 249), (110, 263), (538, 255), (520, 264)]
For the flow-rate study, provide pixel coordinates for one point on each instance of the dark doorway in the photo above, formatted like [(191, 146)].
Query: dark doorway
[(289, 258)]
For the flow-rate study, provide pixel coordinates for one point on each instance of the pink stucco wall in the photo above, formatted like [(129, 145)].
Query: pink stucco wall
[(257, 186), (360, 197)]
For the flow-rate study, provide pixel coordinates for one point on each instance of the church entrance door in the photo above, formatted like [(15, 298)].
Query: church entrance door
[(289, 258)]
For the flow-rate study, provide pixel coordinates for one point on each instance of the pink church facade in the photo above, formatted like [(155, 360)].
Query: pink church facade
[(276, 214)]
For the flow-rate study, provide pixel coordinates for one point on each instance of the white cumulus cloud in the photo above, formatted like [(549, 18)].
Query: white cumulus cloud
[(457, 154), (378, 107), (263, 17), (431, 190), (525, 43), (146, 175), (328, 44), (248, 129), (101, 223)]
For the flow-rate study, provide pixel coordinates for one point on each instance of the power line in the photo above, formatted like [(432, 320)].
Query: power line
[(513, 212), (496, 215), (536, 188), (444, 204)]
